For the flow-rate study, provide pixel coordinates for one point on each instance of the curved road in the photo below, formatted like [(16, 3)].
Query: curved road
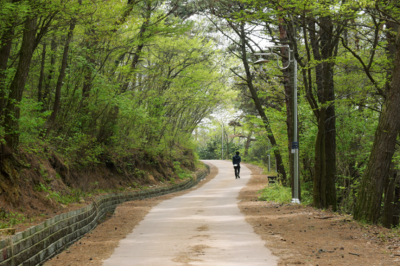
[(202, 227)]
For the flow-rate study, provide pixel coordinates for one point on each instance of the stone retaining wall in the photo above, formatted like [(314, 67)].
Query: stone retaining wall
[(39, 243)]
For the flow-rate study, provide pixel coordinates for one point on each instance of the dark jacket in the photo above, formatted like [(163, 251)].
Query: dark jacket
[(236, 160)]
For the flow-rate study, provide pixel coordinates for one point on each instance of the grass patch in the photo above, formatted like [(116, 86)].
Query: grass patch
[(8, 220), (73, 196), (276, 192)]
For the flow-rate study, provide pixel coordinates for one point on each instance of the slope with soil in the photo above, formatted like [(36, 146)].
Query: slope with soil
[(49, 185)]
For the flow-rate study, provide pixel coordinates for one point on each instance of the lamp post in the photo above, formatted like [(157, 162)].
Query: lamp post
[(269, 159), (295, 143), (222, 141)]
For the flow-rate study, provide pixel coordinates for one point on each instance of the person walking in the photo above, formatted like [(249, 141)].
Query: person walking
[(236, 164)]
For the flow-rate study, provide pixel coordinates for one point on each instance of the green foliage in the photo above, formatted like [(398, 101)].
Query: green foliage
[(140, 173), (276, 192), (138, 81), (32, 121), (73, 196), (8, 220), (182, 174), (81, 149)]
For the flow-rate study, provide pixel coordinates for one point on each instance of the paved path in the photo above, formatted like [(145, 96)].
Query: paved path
[(203, 227)]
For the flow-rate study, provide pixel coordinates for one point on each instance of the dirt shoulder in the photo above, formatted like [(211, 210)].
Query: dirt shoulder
[(302, 235), (99, 244)]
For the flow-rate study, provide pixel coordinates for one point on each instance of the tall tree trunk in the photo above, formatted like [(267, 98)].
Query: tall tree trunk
[(64, 62), (330, 146), (248, 141), (87, 83), (328, 46), (12, 111), (369, 198), (86, 118), (319, 184), (324, 191), (47, 85), (141, 38), (5, 50), (104, 133), (91, 46), (396, 201), (41, 77), (389, 206), (254, 95)]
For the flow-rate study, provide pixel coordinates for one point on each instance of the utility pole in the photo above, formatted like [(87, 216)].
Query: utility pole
[(295, 143), (222, 141)]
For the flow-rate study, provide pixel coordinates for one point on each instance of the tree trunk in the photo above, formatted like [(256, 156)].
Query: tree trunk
[(396, 201), (389, 206), (369, 198), (324, 191), (5, 50), (87, 83), (104, 134), (9, 180), (12, 111), (91, 46), (248, 141), (41, 77), (319, 184), (47, 85), (141, 38), (330, 148), (64, 62)]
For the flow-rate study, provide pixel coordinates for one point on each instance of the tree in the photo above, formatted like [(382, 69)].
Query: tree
[(380, 159)]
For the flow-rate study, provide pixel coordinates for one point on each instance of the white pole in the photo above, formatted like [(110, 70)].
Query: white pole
[(222, 142), (295, 144)]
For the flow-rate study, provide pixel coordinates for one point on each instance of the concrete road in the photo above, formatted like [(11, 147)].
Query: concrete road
[(203, 227)]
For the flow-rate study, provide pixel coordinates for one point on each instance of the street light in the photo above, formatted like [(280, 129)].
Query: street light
[(295, 143), (222, 141)]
